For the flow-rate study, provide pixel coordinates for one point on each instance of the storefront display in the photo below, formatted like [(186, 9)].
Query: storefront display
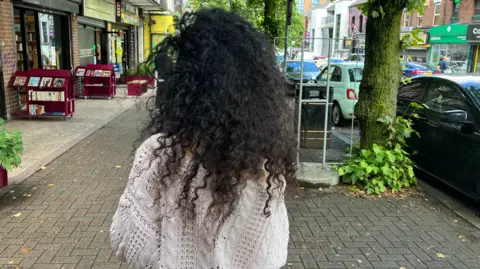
[(41, 40), (449, 41)]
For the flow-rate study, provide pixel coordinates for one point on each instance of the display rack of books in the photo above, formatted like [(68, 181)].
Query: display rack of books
[(99, 80), (80, 73), (19, 82), (48, 92)]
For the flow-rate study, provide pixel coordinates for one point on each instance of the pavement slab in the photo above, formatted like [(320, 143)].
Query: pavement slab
[(60, 216)]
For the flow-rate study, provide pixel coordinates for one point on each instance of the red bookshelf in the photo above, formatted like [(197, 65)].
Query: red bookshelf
[(99, 80), (49, 93)]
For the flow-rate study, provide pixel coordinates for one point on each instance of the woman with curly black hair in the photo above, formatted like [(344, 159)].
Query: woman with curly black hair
[(207, 187)]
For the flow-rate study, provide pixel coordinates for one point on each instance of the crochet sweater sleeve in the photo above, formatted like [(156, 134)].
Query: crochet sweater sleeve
[(146, 231)]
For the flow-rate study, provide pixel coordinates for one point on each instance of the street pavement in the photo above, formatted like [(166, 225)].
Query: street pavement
[(60, 217)]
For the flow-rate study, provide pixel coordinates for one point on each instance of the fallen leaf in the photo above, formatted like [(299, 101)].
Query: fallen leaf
[(25, 250), (403, 267), (440, 255), (10, 262), (43, 167), (27, 194), (51, 185), (17, 215), (118, 166)]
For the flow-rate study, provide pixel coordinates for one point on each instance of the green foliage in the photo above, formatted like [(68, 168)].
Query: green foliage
[(384, 166), (411, 39), (144, 69), (254, 11), (11, 147), (376, 7)]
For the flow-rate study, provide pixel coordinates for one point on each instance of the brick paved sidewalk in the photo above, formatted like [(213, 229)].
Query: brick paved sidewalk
[(59, 218)]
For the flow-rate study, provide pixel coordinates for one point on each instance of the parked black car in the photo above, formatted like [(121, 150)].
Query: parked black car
[(449, 146)]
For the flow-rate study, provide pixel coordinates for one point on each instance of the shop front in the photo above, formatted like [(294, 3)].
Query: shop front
[(42, 40), (42, 33), (473, 38), (92, 33), (449, 41), (123, 39)]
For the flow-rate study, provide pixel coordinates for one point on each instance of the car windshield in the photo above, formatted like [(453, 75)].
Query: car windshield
[(296, 66), (355, 74), (474, 88)]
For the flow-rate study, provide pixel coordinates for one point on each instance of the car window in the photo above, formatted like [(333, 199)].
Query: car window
[(336, 74), (443, 97), (323, 75), (412, 91), (355, 74), (474, 88)]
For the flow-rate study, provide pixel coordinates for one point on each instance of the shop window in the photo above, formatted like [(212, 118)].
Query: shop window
[(42, 40), (436, 14)]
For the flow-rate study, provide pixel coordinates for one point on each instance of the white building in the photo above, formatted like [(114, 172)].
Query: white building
[(329, 27)]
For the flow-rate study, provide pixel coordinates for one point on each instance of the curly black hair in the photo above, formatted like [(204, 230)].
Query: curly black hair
[(225, 103)]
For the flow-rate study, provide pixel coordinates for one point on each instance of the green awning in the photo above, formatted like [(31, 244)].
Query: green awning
[(448, 34)]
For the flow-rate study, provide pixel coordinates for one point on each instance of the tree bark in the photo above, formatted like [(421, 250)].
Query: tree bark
[(269, 23), (382, 72)]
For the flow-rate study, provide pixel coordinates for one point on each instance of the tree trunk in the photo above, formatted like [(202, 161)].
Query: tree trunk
[(381, 75), (269, 23)]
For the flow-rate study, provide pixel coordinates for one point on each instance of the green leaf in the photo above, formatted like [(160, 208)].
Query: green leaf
[(391, 157), (375, 14), (381, 11), (341, 171), (386, 170)]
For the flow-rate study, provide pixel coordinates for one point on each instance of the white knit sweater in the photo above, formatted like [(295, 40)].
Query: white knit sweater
[(147, 230)]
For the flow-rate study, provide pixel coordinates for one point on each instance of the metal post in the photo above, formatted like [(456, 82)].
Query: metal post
[(300, 97), (326, 106)]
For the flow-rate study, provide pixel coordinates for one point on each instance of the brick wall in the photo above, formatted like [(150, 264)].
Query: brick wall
[(467, 10), (76, 55), (9, 54)]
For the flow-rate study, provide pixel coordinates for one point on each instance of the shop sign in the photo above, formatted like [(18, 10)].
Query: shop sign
[(347, 43), (449, 34), (130, 18), (473, 32), (99, 9), (162, 24), (127, 13)]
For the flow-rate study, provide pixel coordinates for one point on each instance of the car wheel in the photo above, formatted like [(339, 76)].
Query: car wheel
[(337, 116)]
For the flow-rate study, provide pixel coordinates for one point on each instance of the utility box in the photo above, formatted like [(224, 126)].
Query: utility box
[(312, 122)]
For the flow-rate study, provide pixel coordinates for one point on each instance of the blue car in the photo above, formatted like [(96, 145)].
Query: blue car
[(336, 60), (310, 71), (411, 70)]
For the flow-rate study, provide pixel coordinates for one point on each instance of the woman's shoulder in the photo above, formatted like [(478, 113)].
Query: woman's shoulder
[(154, 142)]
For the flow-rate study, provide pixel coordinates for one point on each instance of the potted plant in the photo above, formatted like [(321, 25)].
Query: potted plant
[(11, 147)]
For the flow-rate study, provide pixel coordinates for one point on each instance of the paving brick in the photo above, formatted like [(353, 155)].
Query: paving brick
[(66, 225)]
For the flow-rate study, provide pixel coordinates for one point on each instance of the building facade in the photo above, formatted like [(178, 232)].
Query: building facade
[(64, 34)]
